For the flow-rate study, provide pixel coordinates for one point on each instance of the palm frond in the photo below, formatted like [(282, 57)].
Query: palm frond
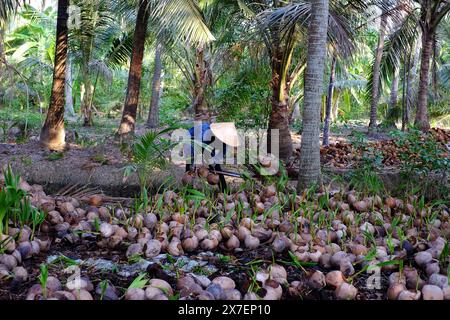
[(8, 7), (100, 68), (287, 18), (149, 149), (402, 40), (120, 51), (185, 17)]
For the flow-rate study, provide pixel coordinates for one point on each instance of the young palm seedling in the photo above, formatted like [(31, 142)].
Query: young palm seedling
[(43, 279), (139, 282), (103, 287), (148, 154)]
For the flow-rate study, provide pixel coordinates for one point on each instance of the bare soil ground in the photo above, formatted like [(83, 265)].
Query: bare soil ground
[(95, 158)]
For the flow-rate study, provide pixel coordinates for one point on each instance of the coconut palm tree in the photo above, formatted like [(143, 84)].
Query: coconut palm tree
[(128, 121), (52, 133), (419, 19), (432, 12), (31, 67), (181, 15), (399, 48), (283, 29), (204, 64), (309, 170), (7, 7), (97, 27)]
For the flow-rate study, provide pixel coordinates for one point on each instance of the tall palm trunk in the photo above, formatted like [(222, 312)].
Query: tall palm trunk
[(279, 116), (326, 127), (376, 75), (2, 68), (434, 68), (87, 46), (406, 73), (394, 90), (153, 115), (411, 71), (128, 121), (392, 113), (87, 97), (309, 170), (68, 90), (202, 80), (52, 133), (421, 120)]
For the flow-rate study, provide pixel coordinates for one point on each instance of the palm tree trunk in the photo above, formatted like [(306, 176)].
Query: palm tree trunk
[(153, 115), (392, 113), (326, 127), (86, 102), (128, 122), (52, 133), (394, 90), (434, 68), (279, 116), (376, 76), (309, 170), (202, 80), (2, 72), (421, 120), (406, 72), (68, 90), (413, 61)]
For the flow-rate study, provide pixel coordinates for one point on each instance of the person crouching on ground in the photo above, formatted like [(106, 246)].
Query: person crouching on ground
[(212, 141)]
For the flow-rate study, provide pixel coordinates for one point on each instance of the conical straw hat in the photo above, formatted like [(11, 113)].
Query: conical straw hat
[(226, 132)]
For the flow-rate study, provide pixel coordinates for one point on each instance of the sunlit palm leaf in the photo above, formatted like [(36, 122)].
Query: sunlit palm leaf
[(285, 20), (185, 17), (120, 51)]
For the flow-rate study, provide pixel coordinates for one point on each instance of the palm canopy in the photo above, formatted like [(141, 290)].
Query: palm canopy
[(182, 16), (220, 17), (408, 24), (294, 17)]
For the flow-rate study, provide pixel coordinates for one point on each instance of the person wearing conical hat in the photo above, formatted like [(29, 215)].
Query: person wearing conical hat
[(205, 134)]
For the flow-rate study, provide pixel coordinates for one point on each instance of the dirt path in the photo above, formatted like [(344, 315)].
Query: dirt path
[(102, 167)]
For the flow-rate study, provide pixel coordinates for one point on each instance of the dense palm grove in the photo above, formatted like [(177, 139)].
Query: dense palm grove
[(91, 207)]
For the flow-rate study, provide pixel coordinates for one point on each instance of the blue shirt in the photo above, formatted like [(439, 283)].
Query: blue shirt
[(203, 135)]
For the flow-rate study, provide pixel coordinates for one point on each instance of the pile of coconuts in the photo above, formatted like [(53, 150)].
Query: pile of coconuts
[(338, 234), (343, 154), (199, 175)]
